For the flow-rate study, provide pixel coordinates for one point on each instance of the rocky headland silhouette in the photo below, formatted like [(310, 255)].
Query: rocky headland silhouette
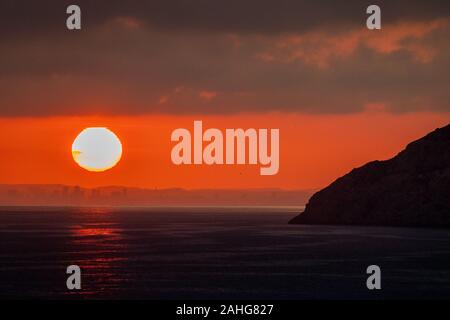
[(412, 190)]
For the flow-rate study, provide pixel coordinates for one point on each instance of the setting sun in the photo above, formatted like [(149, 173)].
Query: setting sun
[(97, 149)]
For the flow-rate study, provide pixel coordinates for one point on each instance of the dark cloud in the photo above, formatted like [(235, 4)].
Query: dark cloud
[(222, 57), (256, 16)]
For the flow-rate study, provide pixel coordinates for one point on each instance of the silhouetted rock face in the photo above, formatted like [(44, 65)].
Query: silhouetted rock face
[(411, 189)]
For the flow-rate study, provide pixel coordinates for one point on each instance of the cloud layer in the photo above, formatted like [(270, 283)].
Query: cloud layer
[(223, 57)]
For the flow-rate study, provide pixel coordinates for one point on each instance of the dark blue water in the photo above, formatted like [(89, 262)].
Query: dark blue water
[(212, 253)]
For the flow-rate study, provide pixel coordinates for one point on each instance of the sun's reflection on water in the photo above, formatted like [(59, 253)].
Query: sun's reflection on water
[(100, 251)]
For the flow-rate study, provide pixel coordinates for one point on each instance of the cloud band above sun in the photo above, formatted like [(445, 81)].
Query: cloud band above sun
[(219, 58)]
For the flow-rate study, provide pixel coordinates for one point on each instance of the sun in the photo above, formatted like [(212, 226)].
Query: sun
[(97, 149)]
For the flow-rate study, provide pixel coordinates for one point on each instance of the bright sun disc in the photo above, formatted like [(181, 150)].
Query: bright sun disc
[(97, 149)]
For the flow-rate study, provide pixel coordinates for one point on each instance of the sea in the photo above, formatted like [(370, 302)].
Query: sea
[(165, 253)]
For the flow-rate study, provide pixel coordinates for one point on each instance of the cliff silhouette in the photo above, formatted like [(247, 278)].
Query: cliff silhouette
[(412, 189)]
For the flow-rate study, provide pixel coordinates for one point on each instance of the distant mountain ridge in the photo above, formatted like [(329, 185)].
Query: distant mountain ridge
[(411, 189), (62, 195)]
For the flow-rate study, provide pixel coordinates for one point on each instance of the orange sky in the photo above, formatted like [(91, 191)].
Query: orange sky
[(314, 150)]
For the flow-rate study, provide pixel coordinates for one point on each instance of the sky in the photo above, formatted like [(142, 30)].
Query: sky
[(340, 94)]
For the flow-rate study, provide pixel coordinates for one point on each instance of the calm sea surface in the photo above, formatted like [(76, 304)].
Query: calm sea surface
[(198, 253)]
